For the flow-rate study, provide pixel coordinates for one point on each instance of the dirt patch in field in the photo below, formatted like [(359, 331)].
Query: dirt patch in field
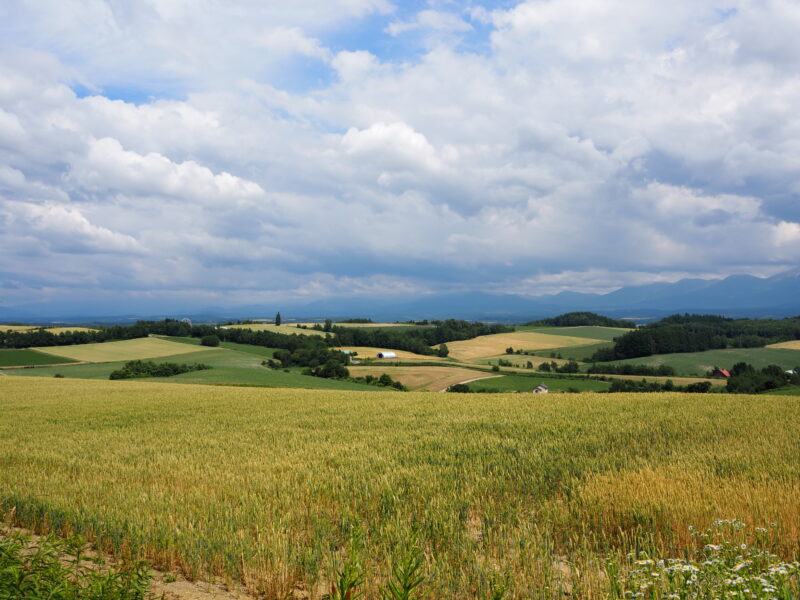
[(433, 379), (165, 585)]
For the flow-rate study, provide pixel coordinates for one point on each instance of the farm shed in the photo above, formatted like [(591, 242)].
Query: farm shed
[(541, 389), (720, 373), (386, 355)]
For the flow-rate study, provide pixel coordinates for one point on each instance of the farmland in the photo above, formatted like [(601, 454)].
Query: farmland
[(699, 363), (526, 383), (230, 366), (283, 328), (364, 353), (493, 345), (16, 358), (593, 332), (434, 379), (136, 349), (273, 488)]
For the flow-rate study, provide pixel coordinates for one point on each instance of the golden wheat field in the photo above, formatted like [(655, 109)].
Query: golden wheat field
[(57, 330), (17, 327), (136, 349), (493, 345), (273, 488), (791, 345)]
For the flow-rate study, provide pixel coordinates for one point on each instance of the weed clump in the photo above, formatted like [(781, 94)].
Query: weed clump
[(59, 570)]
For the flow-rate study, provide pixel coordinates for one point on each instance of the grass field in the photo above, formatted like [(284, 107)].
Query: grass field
[(283, 328), (524, 383), (274, 488), (492, 345), (136, 349), (698, 363), (23, 357), (433, 379), (593, 332), (239, 365), (365, 352)]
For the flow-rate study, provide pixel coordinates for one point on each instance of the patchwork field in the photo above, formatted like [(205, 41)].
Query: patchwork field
[(365, 352), (284, 329), (57, 330), (698, 363), (589, 331), (17, 327), (275, 488), (434, 379), (525, 383), (22, 357), (792, 345), (234, 364), (493, 345), (136, 349)]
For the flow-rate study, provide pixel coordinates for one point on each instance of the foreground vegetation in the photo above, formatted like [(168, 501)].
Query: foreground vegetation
[(281, 489), (54, 569)]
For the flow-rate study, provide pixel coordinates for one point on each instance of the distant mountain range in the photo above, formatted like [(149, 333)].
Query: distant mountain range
[(736, 296)]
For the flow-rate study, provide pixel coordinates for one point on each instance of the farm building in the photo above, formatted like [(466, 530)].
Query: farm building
[(386, 355), (717, 372), (541, 389)]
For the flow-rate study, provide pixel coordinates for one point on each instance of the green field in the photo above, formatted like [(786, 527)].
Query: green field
[(135, 349), (597, 333), (696, 364), (24, 357), (229, 367), (523, 383), (275, 488)]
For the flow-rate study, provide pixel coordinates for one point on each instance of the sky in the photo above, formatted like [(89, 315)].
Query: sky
[(186, 154)]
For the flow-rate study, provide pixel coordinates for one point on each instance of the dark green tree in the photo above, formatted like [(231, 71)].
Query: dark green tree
[(278, 319)]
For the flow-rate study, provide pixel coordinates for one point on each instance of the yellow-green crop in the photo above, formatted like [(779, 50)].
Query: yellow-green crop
[(275, 488)]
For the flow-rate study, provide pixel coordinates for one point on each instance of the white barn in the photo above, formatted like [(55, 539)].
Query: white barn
[(386, 355)]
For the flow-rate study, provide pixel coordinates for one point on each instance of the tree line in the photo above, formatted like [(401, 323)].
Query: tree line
[(697, 333), (582, 319)]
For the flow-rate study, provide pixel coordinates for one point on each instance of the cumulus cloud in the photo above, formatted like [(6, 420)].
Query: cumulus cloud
[(549, 144)]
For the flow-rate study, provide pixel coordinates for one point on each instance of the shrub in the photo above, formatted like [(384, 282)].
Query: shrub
[(210, 340)]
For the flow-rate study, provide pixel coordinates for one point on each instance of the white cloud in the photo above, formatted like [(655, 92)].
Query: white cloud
[(573, 147)]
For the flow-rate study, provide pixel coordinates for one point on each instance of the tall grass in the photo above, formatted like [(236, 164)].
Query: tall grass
[(508, 495)]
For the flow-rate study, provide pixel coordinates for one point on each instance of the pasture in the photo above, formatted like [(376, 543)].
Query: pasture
[(419, 378), (25, 357), (365, 352), (239, 366), (136, 349), (275, 488), (606, 334), (493, 345), (697, 364), (526, 383)]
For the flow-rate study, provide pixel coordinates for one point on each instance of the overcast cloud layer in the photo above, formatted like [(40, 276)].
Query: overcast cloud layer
[(190, 154)]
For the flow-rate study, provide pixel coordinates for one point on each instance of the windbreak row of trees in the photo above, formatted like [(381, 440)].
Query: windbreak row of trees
[(697, 333), (582, 319), (416, 340), (43, 337)]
